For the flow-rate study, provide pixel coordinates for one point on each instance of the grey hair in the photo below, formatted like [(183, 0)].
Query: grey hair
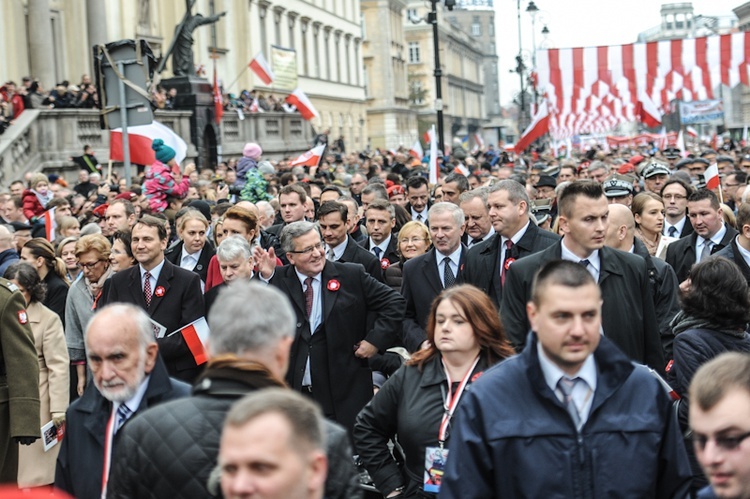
[(382, 205), (123, 311), (249, 317), (516, 192), (440, 208), (378, 189), (266, 208), (479, 192), (234, 247), (293, 231)]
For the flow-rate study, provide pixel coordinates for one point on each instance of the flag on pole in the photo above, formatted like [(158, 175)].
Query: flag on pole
[(50, 225), (426, 137), (744, 136), (647, 111), (416, 150), (712, 177), (218, 104), (299, 100), (260, 67), (538, 127), (681, 144), (479, 140), (433, 167), (140, 139), (691, 131), (196, 336), (311, 157)]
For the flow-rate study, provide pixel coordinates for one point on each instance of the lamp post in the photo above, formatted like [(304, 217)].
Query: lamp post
[(432, 19), (532, 9), (520, 69)]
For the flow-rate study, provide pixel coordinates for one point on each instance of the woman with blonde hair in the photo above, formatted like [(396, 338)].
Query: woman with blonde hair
[(193, 252), (648, 211), (68, 227), (66, 251), (413, 240)]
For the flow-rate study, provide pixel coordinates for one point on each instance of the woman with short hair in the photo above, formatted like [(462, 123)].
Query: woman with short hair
[(413, 240)]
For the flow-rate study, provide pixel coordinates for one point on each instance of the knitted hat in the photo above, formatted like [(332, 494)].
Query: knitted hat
[(265, 167), (252, 151), (164, 153)]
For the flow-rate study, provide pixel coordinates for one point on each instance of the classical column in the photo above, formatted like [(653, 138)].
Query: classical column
[(40, 43), (96, 20)]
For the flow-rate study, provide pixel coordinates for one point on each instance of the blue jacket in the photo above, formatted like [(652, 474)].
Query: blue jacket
[(514, 438)]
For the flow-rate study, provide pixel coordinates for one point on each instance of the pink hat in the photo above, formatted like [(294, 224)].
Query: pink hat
[(252, 151)]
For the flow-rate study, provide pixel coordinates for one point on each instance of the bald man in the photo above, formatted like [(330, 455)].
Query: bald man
[(8, 253), (621, 236)]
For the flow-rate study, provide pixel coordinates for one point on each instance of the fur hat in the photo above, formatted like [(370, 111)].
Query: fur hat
[(252, 151)]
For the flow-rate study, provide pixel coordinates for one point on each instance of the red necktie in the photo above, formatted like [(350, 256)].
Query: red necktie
[(309, 295), (147, 288), (504, 270)]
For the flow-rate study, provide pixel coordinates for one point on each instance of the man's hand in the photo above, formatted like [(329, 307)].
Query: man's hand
[(365, 349), (265, 261)]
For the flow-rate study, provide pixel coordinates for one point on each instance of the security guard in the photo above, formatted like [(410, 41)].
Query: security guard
[(19, 381)]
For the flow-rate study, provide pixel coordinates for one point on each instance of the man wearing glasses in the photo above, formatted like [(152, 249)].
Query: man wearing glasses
[(344, 317), (675, 194), (720, 424)]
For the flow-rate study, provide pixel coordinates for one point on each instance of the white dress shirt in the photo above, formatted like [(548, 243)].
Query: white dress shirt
[(700, 242), (595, 263), (316, 316), (155, 272), (455, 258)]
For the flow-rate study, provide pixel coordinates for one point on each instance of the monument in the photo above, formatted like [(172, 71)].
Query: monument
[(193, 92)]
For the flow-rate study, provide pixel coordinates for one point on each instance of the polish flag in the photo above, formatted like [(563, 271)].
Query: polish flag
[(218, 101), (140, 139), (692, 132), (712, 177), (647, 111), (299, 100), (196, 336), (416, 150), (426, 137), (538, 127), (311, 157), (50, 225), (433, 166), (260, 67), (681, 144)]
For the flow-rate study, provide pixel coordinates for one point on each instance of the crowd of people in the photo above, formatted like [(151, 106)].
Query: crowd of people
[(529, 326)]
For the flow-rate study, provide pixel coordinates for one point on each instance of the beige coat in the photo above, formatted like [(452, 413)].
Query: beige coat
[(36, 467)]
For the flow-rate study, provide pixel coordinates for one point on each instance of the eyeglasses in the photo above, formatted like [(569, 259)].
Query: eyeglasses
[(724, 443), (413, 240), (89, 265), (676, 197), (308, 250)]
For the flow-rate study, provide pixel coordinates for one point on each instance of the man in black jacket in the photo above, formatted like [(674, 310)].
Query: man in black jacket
[(249, 351), (628, 317), (739, 249), (129, 377)]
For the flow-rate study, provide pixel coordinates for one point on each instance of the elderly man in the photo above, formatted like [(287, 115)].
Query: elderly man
[(272, 446), (248, 351), (235, 257), (344, 316), (477, 215), (129, 377), (8, 253)]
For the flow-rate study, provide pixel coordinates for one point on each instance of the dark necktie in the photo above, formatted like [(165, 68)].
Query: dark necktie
[(448, 278), (566, 386), (672, 231), (508, 251), (476, 241), (123, 413), (419, 217), (377, 251), (585, 263), (308, 296), (147, 288)]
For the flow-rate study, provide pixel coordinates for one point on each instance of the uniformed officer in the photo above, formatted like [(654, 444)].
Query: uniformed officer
[(619, 189), (19, 381)]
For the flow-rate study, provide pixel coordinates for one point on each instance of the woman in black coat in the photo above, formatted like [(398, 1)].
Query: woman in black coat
[(41, 255), (193, 252), (713, 320), (466, 338)]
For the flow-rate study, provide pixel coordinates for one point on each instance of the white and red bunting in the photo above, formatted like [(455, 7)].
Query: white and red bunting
[(593, 89)]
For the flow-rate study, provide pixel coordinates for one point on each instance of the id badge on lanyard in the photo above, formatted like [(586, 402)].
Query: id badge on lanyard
[(436, 457)]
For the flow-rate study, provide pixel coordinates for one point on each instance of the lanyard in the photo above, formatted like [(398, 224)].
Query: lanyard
[(452, 401), (109, 437)]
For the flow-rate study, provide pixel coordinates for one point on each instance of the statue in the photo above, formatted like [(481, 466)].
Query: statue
[(182, 54)]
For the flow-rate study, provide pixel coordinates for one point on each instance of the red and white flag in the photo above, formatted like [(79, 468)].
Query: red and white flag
[(311, 157), (538, 127), (50, 225), (648, 113), (299, 100), (416, 150), (434, 171), (260, 67), (479, 140), (692, 132), (712, 177), (681, 144), (196, 336), (140, 139), (218, 102)]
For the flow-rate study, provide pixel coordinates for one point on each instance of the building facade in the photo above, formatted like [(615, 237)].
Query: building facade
[(325, 35), (391, 121)]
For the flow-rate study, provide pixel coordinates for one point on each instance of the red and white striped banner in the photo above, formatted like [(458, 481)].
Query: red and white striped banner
[(593, 89)]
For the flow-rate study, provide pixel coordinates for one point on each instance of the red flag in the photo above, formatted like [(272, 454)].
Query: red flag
[(416, 150), (538, 127), (260, 67), (218, 104), (196, 335), (311, 157), (299, 100), (50, 225)]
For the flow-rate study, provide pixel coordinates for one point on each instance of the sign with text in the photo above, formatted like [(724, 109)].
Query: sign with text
[(704, 111), (284, 63)]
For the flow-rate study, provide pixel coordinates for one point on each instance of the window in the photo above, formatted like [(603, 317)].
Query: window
[(414, 55), (476, 27), (412, 15)]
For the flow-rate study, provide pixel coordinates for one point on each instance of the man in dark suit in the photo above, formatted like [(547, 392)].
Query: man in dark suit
[(425, 276), (516, 236), (477, 214), (292, 202), (711, 234), (628, 317), (739, 249), (129, 377), (418, 194), (675, 194), (380, 219), (340, 246), (334, 337), (170, 295)]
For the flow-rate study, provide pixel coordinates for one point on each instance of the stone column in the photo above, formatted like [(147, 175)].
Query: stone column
[(96, 22), (42, 64)]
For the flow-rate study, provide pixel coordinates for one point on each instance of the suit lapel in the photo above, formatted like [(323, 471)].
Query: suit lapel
[(329, 275), (136, 287), (165, 276), (430, 271), (294, 289)]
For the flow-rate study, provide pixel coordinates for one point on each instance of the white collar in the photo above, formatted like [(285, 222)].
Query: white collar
[(154, 272), (455, 257), (135, 400), (302, 277), (553, 373), (716, 238), (593, 258), (383, 246), (517, 236)]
